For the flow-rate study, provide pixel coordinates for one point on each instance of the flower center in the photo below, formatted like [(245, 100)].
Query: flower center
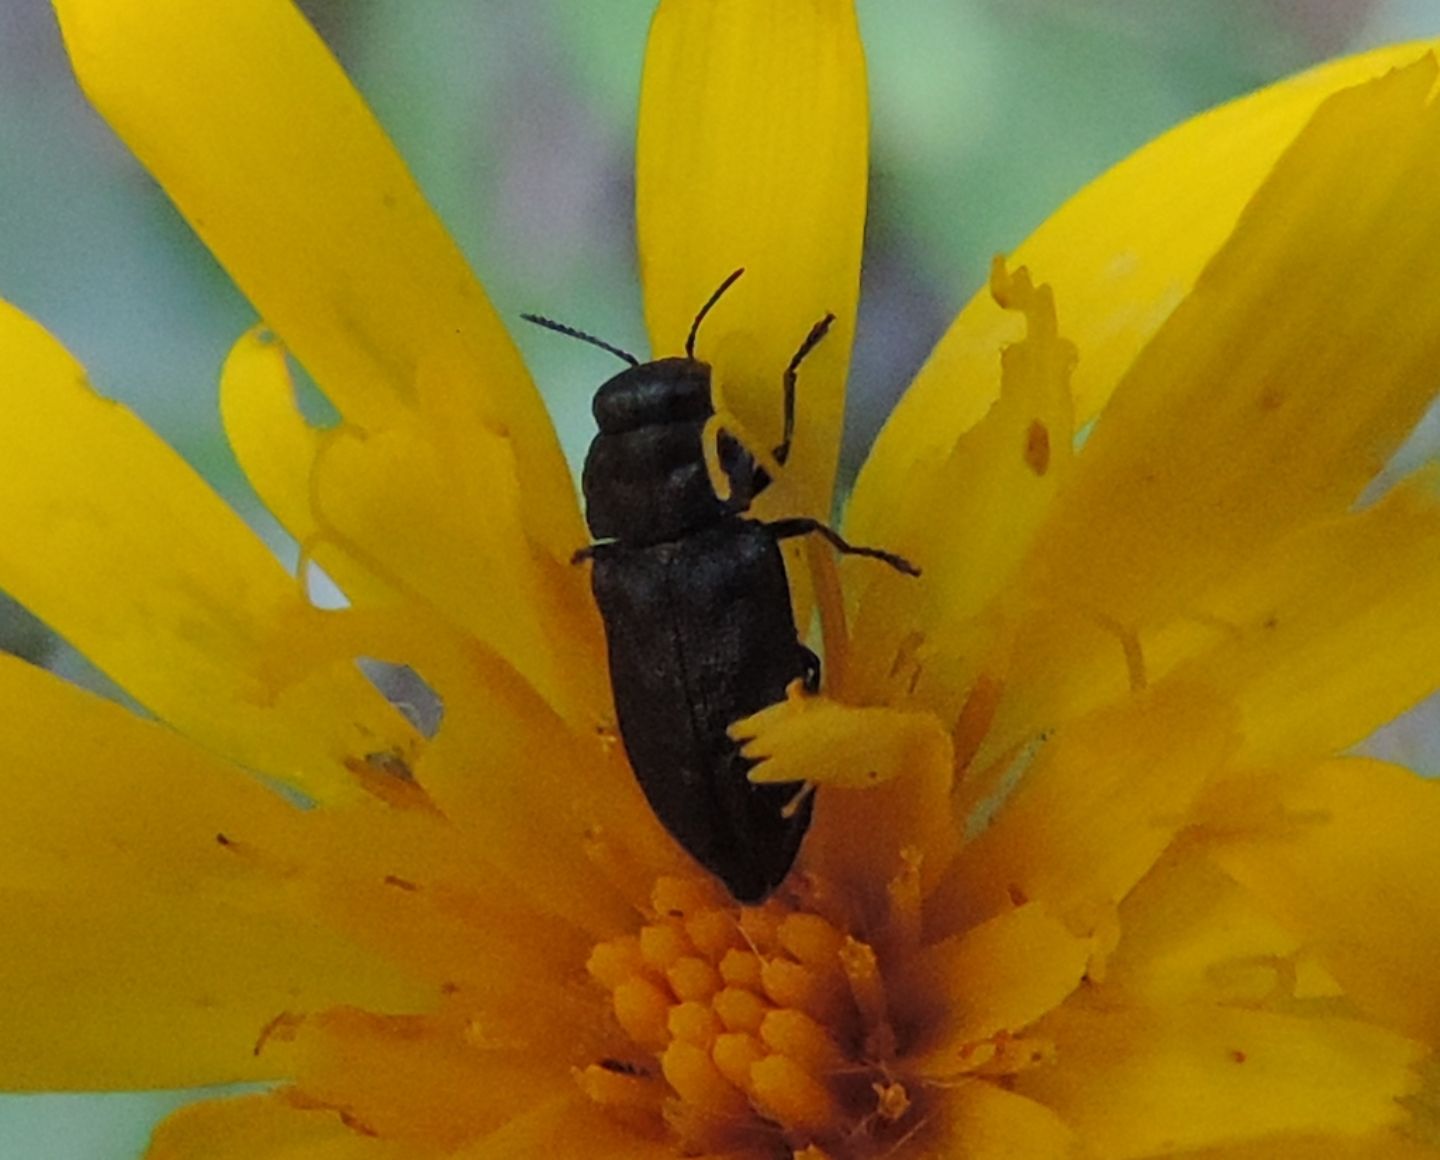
[(752, 1025)]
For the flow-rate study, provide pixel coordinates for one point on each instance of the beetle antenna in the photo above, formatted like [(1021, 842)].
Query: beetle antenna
[(704, 310), (817, 332), (571, 332)]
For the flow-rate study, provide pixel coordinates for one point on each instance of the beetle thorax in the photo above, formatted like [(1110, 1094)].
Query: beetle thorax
[(645, 478)]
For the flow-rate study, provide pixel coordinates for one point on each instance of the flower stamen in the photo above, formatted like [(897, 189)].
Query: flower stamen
[(767, 1021)]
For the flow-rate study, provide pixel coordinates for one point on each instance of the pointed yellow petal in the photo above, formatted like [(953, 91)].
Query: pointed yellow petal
[(1350, 869), (1140, 1083), (243, 116), (266, 1127), (148, 886), (114, 541), (752, 153), (1121, 255), (1099, 802), (1283, 383)]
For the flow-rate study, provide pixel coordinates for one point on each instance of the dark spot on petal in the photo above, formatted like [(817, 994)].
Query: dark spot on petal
[(1037, 447), (624, 1067)]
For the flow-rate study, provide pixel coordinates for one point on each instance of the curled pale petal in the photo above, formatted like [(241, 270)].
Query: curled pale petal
[(326, 231), (1121, 255), (1161, 1081), (114, 541), (1343, 855), (152, 890), (268, 1127), (752, 153)]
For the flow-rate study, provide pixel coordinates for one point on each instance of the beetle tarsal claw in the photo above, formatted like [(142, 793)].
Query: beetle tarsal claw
[(819, 740)]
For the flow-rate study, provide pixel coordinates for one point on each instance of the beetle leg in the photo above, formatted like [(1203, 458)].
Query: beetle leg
[(589, 551), (804, 526), (817, 332), (811, 664)]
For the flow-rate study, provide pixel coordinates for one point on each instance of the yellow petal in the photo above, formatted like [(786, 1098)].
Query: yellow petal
[(420, 1079), (114, 541), (418, 891), (1388, 1145), (266, 1127), (273, 443), (968, 521), (559, 813), (1139, 1083), (991, 1123), (997, 977), (120, 989), (1333, 632), (1191, 933), (1282, 384), (86, 781), (1121, 255), (1099, 802), (275, 161), (1349, 867), (752, 153), (389, 517), (148, 886), (1290, 635), (568, 1126), (814, 738)]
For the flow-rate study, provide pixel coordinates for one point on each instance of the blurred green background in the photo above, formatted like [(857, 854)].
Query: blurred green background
[(518, 118)]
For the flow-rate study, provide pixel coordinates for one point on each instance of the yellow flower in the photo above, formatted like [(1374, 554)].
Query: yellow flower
[(1109, 890)]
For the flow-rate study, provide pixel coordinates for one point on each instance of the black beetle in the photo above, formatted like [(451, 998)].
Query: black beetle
[(696, 607)]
